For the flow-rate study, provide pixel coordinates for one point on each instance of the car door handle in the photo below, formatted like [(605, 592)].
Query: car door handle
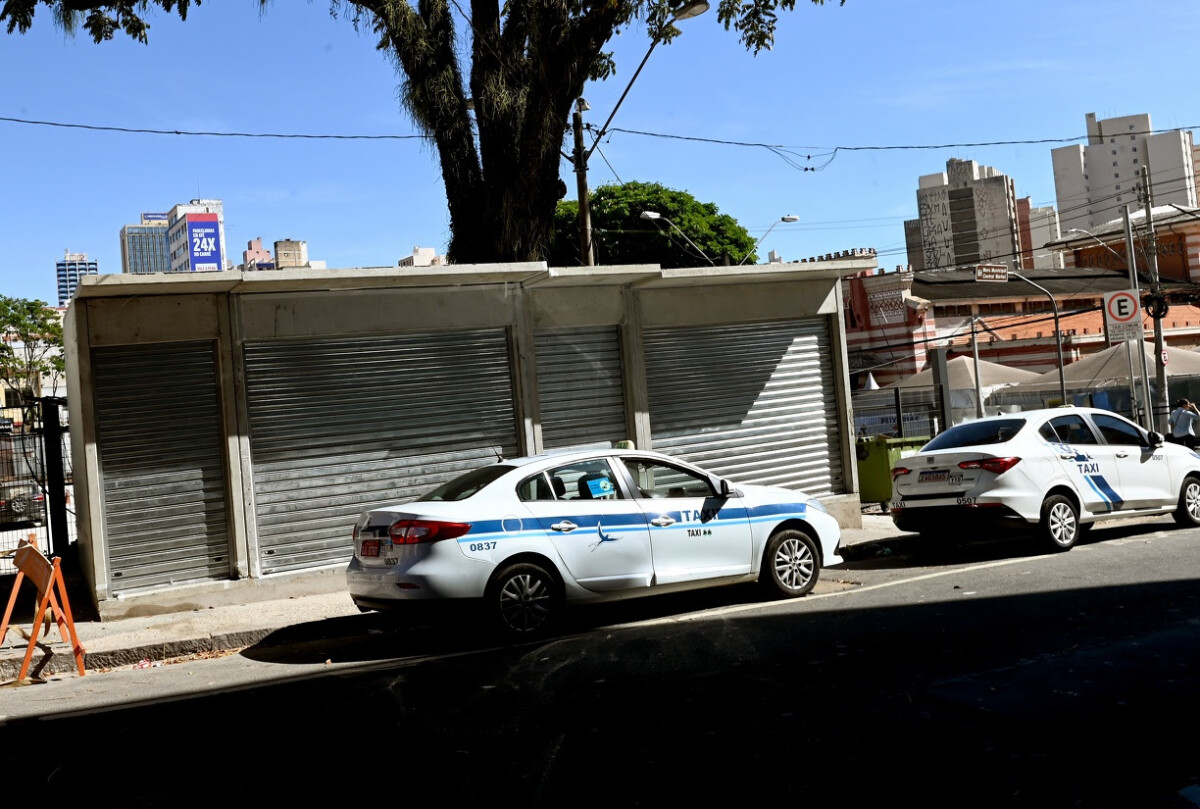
[(566, 526), (1067, 456), (662, 521), (1122, 454)]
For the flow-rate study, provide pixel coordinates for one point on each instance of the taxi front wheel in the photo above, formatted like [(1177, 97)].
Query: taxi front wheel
[(791, 564), (1188, 511), (1059, 526)]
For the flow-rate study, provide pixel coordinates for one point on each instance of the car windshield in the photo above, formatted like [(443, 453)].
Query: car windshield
[(465, 485), (972, 433)]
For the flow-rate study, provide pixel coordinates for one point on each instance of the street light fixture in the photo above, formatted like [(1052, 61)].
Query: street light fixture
[(694, 8), (1148, 416), (1062, 376), (654, 216), (753, 250)]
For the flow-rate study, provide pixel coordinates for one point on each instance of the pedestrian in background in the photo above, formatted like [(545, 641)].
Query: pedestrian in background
[(1183, 423)]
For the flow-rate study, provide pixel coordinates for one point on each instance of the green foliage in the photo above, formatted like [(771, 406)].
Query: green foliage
[(31, 346), (621, 236), (521, 63)]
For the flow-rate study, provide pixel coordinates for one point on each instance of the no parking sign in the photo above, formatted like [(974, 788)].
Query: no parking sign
[(1123, 316)]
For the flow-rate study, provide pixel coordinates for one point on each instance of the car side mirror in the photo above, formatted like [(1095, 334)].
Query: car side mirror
[(1155, 439), (725, 488)]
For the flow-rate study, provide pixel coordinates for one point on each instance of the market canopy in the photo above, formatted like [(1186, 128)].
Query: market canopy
[(1110, 367), (961, 374)]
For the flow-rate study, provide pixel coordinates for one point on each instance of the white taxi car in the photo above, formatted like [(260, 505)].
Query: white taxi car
[(528, 535), (1059, 471)]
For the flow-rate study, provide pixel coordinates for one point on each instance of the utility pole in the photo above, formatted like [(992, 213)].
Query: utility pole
[(1162, 402), (581, 186)]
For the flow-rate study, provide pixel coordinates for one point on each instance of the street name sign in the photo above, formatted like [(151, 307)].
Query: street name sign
[(997, 273)]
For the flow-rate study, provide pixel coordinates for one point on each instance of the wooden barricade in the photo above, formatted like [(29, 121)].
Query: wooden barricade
[(46, 575)]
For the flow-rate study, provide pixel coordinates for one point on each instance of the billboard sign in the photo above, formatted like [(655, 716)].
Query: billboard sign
[(204, 242), (153, 217)]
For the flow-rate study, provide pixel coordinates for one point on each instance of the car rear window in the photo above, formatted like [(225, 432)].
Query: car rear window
[(972, 433), (465, 485)]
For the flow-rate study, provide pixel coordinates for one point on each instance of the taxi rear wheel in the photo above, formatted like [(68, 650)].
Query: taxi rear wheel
[(791, 564), (524, 600), (1059, 527), (1188, 512)]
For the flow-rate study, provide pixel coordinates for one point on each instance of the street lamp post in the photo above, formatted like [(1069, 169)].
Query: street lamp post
[(753, 250), (1130, 261), (1062, 376), (654, 216), (580, 157)]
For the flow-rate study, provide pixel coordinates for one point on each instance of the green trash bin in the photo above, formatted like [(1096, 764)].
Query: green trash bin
[(876, 457)]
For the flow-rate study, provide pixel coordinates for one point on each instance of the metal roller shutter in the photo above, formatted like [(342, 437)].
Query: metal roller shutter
[(755, 403), (342, 424), (162, 464), (580, 392)]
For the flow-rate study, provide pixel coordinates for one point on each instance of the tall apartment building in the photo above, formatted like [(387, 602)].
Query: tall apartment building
[(196, 236), (144, 247), (968, 215), (73, 267), (1094, 182)]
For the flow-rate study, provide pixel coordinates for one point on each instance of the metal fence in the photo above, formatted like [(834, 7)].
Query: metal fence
[(36, 483), (896, 413)]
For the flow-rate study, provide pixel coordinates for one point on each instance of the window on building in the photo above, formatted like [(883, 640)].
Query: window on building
[(1135, 163), (1118, 188)]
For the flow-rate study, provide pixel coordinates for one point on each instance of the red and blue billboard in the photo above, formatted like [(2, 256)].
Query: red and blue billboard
[(204, 242)]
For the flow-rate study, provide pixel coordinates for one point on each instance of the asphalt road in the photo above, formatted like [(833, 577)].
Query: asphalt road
[(973, 676)]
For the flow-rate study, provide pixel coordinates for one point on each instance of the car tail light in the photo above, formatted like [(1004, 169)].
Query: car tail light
[(900, 471), (413, 532), (995, 465)]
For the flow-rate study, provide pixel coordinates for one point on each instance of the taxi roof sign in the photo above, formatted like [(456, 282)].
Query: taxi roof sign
[(991, 272)]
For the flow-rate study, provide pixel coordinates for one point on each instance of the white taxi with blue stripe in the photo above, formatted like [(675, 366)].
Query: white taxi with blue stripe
[(1058, 470), (529, 535)]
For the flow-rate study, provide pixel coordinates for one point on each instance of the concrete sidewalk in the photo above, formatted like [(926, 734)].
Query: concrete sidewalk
[(152, 639)]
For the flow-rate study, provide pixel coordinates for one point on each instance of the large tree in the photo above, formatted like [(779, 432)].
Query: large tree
[(31, 352), (524, 63), (683, 232)]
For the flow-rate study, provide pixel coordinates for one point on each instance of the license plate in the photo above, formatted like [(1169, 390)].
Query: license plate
[(369, 547), (938, 476)]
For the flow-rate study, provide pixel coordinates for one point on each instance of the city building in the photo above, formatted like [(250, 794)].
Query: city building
[(73, 267), (196, 236), (968, 214), (291, 253), (1093, 182), (422, 257), (894, 320), (144, 248), (256, 257)]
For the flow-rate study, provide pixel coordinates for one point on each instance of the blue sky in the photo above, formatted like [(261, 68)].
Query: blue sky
[(873, 73)]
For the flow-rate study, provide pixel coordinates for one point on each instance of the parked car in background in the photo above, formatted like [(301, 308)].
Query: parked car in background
[(21, 503), (524, 537), (1058, 471)]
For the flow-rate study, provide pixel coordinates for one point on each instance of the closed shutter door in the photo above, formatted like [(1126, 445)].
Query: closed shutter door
[(755, 403), (162, 464), (341, 425), (580, 392)]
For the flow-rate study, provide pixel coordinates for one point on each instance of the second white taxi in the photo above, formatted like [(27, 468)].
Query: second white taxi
[(523, 537), (1058, 471)]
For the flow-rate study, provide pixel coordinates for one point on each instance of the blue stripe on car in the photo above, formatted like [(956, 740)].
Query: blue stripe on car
[(1106, 492)]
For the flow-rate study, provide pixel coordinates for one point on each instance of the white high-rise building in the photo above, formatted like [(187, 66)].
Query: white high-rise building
[(1094, 182), (196, 236)]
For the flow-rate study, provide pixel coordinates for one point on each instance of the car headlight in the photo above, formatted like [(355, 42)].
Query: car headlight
[(818, 505)]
